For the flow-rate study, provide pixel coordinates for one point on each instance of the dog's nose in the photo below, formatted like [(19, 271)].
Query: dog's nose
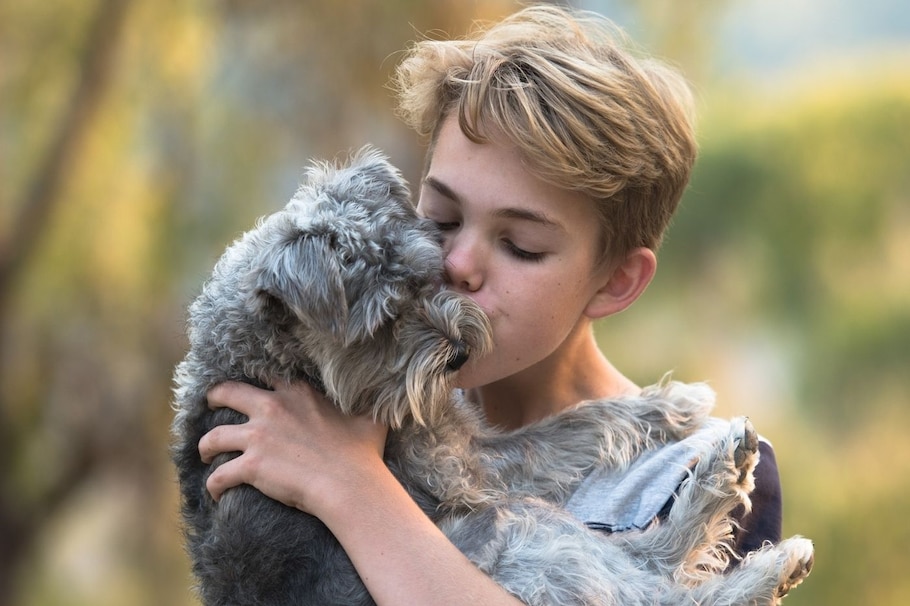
[(459, 356)]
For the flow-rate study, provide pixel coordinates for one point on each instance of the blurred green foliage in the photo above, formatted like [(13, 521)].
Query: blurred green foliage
[(813, 200), (785, 280)]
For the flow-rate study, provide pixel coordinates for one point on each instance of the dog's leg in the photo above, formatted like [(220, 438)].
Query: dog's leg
[(544, 556), (695, 538), (763, 578)]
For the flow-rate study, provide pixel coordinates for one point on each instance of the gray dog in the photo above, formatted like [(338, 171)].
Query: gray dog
[(343, 288)]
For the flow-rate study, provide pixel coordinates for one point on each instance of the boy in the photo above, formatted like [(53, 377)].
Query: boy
[(556, 160)]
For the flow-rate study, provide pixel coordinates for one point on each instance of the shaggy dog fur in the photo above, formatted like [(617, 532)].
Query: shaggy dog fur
[(343, 288)]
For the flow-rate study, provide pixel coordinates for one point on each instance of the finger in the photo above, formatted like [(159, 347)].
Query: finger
[(223, 438), (232, 394), (224, 477)]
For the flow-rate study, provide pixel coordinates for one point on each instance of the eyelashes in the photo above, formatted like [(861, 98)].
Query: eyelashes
[(521, 254), (446, 225)]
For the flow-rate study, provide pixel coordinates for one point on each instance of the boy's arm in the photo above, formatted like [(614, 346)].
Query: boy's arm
[(301, 450), (402, 557)]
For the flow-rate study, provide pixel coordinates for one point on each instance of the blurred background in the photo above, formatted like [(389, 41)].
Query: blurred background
[(139, 137)]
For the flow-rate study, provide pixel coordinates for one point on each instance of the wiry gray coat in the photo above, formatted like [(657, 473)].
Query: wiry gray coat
[(343, 288)]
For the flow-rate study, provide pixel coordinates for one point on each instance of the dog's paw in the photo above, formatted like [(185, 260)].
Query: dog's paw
[(744, 444), (763, 577), (799, 557)]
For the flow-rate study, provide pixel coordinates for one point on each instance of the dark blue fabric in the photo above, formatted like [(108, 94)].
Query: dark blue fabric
[(764, 522)]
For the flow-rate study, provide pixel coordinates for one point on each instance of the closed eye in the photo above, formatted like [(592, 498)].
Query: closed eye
[(522, 254), (447, 225)]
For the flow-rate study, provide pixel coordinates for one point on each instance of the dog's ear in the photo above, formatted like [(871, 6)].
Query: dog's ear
[(378, 178), (304, 276), (377, 303)]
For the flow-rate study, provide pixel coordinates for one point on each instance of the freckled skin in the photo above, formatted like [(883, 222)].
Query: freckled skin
[(500, 258)]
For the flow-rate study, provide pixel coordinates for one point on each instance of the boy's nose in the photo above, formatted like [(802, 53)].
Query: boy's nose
[(463, 269)]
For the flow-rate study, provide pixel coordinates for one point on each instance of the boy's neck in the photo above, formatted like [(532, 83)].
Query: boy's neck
[(578, 371)]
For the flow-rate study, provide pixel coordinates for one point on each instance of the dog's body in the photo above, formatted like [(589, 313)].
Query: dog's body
[(343, 288)]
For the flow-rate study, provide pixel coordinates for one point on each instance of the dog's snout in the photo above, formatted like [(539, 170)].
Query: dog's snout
[(459, 356)]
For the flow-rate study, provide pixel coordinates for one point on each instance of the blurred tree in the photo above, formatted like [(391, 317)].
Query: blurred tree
[(20, 519), (43, 191)]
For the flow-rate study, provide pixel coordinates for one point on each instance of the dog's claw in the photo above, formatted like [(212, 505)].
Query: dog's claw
[(745, 449)]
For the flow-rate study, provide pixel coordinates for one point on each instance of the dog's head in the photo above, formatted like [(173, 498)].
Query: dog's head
[(360, 275)]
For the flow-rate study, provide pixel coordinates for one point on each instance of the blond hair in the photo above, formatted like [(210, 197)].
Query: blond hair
[(584, 111)]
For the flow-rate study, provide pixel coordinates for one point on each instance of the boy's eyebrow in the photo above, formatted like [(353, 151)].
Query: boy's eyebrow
[(442, 188), (523, 214)]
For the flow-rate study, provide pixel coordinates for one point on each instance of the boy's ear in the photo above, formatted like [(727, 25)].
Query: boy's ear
[(622, 283)]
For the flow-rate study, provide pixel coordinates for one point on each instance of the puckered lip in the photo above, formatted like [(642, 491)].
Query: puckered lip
[(442, 287)]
